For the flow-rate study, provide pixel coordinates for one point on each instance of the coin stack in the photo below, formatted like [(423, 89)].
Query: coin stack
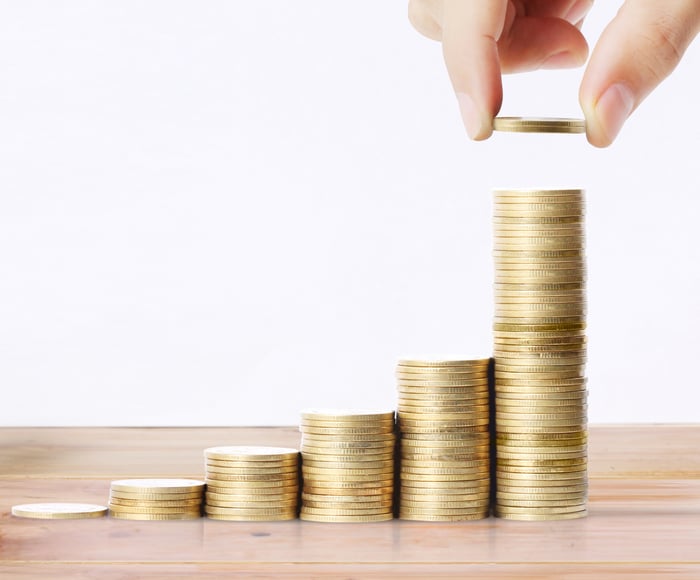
[(347, 465), (156, 499), (443, 417), (251, 483), (540, 354)]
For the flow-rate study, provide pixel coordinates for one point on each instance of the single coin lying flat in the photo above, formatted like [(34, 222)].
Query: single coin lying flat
[(539, 125), (59, 511)]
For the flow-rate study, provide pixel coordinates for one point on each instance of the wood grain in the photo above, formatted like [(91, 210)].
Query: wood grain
[(644, 517)]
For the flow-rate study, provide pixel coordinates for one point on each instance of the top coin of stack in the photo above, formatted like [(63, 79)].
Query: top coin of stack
[(540, 354), (156, 499), (251, 483), (347, 465), (443, 416)]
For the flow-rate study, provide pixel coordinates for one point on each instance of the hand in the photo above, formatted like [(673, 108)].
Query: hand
[(483, 38)]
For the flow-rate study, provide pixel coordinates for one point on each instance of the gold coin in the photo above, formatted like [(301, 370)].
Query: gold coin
[(540, 208), (554, 503), (292, 515), (154, 517), (540, 405), (437, 420), (540, 327), (325, 454), (433, 493), (538, 455), (257, 464), (447, 478), (436, 458), (430, 499), (250, 453), (547, 300), (373, 425), (252, 484), (539, 510), (307, 510), (338, 507), (58, 511), (538, 517), (541, 478), (153, 509), (459, 439), (531, 385), (535, 490), (448, 507), (160, 485), (274, 511), (381, 517), (575, 215), (530, 496), (267, 497), (335, 491), (363, 465), (265, 478), (444, 518), (530, 463), (412, 466), (125, 495), (347, 431), (437, 385), (319, 474), (437, 397), (348, 415), (538, 125), (288, 504), (406, 512), (469, 380), (253, 471), (465, 392), (461, 484), (543, 438), (443, 362), (533, 193), (380, 443), (352, 499), (553, 358), (311, 453), (523, 412), (158, 503)]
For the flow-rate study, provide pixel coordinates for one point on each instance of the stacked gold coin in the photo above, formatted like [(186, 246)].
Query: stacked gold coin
[(156, 499), (347, 465), (251, 483), (443, 417), (540, 354)]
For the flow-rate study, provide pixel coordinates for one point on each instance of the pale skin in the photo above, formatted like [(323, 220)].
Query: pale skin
[(482, 39)]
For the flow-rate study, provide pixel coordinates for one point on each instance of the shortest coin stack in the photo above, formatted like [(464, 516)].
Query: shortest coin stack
[(252, 483), (347, 465), (156, 499), (443, 416)]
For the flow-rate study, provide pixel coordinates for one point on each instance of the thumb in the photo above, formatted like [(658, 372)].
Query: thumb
[(470, 32), (639, 48)]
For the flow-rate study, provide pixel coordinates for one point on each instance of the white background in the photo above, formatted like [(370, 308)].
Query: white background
[(217, 213)]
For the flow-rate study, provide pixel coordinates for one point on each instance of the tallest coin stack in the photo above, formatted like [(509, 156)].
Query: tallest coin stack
[(540, 354)]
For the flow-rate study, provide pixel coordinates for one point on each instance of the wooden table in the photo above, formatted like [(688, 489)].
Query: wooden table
[(644, 517)]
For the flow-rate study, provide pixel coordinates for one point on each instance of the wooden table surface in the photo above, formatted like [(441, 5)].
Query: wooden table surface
[(644, 517)]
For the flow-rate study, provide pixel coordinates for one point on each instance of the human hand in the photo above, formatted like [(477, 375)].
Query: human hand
[(483, 38)]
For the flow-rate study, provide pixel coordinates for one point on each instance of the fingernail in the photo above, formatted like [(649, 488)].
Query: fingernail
[(578, 11), (472, 119), (613, 108), (563, 60)]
